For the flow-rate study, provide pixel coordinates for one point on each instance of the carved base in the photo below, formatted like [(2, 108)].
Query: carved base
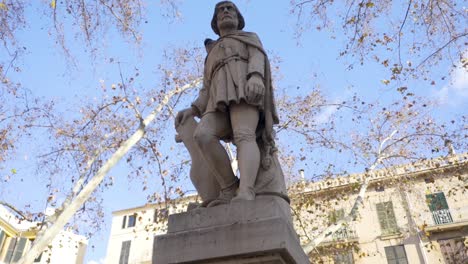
[(245, 232)]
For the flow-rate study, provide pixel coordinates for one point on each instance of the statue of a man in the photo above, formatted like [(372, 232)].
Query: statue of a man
[(235, 103)]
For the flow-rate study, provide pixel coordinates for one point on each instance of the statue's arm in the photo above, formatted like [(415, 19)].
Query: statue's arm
[(256, 62), (255, 89)]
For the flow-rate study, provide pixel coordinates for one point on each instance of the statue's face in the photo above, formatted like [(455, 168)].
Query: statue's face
[(227, 16)]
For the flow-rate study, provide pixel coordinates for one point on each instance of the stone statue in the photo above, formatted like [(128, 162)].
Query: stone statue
[(236, 103)]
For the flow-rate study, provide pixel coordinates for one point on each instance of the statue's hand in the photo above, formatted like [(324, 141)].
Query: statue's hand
[(255, 88), (182, 116)]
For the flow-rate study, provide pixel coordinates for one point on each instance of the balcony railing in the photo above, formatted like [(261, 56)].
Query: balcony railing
[(342, 234), (442, 217)]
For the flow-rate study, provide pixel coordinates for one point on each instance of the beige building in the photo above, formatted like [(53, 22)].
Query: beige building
[(16, 238), (416, 213)]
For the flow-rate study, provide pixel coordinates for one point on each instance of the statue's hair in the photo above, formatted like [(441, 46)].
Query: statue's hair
[(208, 41), (214, 20)]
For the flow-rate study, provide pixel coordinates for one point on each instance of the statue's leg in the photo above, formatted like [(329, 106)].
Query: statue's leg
[(244, 121), (211, 128)]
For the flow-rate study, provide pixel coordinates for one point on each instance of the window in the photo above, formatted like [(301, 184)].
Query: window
[(129, 221), (453, 250), (344, 257), (439, 208), (379, 188), (333, 218), (396, 255), (10, 250), (336, 216), (429, 180), (387, 218), (19, 249), (2, 237), (125, 252), (15, 249)]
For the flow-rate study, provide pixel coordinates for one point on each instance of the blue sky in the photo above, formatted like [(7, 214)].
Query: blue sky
[(314, 61)]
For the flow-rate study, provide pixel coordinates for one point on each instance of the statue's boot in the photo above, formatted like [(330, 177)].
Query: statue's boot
[(244, 195), (249, 161), (225, 195), (246, 190)]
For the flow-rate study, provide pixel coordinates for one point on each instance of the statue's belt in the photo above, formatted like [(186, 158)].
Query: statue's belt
[(219, 64)]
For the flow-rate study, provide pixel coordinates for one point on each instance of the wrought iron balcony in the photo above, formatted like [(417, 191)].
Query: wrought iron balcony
[(442, 217), (445, 219), (343, 234)]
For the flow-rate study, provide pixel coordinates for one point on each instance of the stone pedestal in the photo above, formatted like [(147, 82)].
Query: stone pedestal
[(248, 232)]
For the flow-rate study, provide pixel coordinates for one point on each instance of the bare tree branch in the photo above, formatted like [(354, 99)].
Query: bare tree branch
[(62, 219), (16, 210)]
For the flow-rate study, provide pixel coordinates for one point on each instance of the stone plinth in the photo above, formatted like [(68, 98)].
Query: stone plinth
[(249, 232)]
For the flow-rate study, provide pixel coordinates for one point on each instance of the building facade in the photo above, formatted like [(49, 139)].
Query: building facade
[(415, 213), (133, 230), (16, 237)]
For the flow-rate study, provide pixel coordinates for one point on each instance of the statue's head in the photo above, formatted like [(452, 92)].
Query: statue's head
[(221, 17)]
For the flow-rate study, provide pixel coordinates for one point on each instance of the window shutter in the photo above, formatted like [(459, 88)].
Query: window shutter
[(10, 250), (344, 257), (387, 217), (392, 225), (332, 218), (2, 237), (390, 253), (125, 252), (382, 216), (124, 221), (335, 216), (400, 254), (437, 201), (396, 255), (340, 214), (19, 249)]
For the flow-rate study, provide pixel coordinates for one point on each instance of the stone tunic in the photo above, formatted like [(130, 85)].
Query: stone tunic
[(228, 66)]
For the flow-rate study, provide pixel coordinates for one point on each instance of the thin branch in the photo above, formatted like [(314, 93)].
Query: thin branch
[(96, 113), (411, 136), (10, 64), (125, 25), (84, 13), (132, 105), (441, 48), (16, 210), (401, 29), (301, 224), (163, 181)]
